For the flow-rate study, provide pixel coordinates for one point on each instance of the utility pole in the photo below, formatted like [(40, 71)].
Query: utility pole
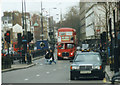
[(22, 16), (24, 32), (25, 20), (41, 21)]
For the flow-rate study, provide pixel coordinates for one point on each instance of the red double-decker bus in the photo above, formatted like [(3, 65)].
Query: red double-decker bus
[(66, 43)]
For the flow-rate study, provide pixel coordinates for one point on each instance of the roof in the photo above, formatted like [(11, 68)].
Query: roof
[(17, 28), (79, 52), (66, 29)]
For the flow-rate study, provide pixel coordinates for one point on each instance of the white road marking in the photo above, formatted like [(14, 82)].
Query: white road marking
[(37, 75), (25, 79), (37, 63), (54, 69), (41, 64), (47, 72)]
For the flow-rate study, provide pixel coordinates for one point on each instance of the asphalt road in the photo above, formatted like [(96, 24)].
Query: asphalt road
[(41, 73)]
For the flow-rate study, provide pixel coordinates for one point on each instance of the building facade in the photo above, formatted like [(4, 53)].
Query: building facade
[(82, 20), (95, 21)]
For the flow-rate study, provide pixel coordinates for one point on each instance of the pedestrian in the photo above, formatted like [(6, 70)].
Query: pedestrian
[(52, 57), (47, 57)]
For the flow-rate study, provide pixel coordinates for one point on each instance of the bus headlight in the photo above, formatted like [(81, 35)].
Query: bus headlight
[(59, 53), (71, 53)]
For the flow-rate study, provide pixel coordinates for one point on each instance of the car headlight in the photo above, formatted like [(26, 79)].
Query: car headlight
[(74, 67), (97, 67)]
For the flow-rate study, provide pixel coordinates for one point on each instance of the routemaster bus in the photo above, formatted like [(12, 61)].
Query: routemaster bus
[(66, 43)]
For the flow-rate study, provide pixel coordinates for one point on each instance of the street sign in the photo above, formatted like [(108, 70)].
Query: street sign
[(24, 40), (42, 35), (119, 36)]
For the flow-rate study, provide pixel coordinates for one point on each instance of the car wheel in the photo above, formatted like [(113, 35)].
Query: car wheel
[(59, 58), (102, 77), (71, 77), (112, 82)]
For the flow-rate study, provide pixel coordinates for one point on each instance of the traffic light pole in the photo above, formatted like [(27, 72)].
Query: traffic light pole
[(111, 46), (42, 21), (8, 48), (116, 63), (24, 32)]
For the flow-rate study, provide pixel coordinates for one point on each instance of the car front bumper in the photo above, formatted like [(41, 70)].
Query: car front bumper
[(93, 74)]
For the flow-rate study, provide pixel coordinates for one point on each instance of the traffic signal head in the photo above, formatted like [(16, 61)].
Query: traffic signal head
[(103, 38), (29, 36), (19, 39), (7, 36)]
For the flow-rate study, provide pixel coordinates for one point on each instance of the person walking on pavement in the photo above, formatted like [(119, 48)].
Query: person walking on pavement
[(47, 57), (52, 56)]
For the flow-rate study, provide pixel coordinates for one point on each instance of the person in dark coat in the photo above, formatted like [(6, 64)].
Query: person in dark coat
[(52, 56), (47, 57)]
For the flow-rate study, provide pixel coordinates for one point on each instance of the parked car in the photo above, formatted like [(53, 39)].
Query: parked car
[(87, 65)]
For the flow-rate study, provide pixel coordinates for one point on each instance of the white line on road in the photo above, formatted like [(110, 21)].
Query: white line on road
[(25, 79), (37, 75), (41, 64), (47, 72), (54, 69)]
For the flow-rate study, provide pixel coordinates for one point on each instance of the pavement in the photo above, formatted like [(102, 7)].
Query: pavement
[(21, 66), (109, 72)]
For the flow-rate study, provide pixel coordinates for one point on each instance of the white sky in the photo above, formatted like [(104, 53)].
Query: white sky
[(35, 6)]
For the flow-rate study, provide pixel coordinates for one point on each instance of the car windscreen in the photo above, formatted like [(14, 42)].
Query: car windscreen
[(87, 58), (69, 46)]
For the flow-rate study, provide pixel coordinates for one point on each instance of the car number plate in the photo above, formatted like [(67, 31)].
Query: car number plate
[(85, 72), (65, 57)]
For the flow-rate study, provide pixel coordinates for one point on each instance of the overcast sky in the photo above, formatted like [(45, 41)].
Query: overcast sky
[(35, 6)]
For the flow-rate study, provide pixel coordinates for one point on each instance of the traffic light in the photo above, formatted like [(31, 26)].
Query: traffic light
[(7, 36), (19, 39), (30, 36), (103, 38)]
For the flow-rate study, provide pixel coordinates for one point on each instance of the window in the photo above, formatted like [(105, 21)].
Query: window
[(69, 46), (88, 58), (65, 33), (61, 46)]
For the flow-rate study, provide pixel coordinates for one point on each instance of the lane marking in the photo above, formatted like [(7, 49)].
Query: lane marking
[(37, 75), (47, 72), (41, 64), (26, 79), (54, 69)]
